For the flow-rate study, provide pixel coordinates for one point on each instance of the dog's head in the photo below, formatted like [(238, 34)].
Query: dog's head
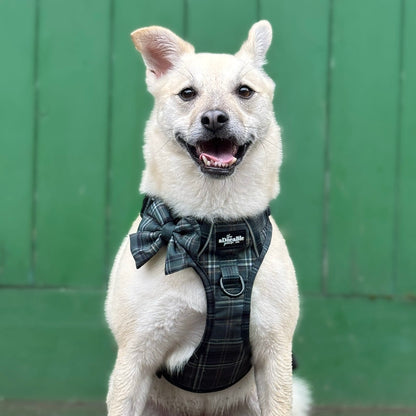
[(213, 118)]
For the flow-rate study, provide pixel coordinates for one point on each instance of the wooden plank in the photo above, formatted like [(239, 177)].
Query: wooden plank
[(357, 351), (298, 63), (36, 408), (212, 25), (73, 123), (406, 265), (54, 345), (17, 34), (131, 106), (362, 154), (61, 408)]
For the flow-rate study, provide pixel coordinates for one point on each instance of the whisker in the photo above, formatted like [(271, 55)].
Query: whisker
[(163, 145), (243, 74), (185, 72), (270, 142)]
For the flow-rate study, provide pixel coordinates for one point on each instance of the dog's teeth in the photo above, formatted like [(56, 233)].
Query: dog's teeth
[(217, 163)]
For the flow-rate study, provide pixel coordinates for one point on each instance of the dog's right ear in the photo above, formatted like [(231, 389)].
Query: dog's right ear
[(161, 49)]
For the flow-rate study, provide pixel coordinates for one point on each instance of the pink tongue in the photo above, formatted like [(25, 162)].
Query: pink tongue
[(219, 157), (218, 151)]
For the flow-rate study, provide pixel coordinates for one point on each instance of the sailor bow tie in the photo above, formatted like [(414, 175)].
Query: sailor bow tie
[(156, 229)]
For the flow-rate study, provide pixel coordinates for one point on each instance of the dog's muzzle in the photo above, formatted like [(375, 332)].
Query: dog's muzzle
[(217, 156)]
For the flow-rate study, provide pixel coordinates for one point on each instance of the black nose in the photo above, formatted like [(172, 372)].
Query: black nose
[(214, 120)]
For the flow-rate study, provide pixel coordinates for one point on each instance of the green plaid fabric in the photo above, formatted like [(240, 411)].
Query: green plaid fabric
[(227, 262)]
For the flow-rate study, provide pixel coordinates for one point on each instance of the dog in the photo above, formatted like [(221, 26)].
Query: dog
[(212, 154)]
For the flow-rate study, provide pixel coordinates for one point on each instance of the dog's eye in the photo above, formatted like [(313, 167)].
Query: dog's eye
[(187, 94), (245, 92)]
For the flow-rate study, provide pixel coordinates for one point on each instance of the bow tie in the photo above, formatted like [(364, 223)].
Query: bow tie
[(156, 229)]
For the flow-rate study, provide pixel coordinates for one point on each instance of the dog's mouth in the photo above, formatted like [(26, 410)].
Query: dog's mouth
[(217, 156)]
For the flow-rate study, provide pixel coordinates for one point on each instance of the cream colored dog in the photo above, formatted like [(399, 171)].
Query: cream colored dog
[(212, 151)]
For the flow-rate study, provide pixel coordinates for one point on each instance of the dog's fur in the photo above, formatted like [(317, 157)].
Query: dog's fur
[(158, 320)]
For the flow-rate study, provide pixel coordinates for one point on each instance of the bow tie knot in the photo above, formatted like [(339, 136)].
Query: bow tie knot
[(167, 231), (156, 229)]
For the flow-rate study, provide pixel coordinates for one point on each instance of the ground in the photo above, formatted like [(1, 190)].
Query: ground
[(35, 408)]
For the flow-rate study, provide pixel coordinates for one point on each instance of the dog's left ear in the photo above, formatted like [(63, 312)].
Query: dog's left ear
[(257, 43)]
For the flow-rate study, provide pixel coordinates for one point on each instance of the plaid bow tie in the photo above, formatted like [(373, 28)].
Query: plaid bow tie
[(157, 228)]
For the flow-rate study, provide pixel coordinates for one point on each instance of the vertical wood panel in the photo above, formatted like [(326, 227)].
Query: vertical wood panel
[(298, 63), (363, 133), (44, 329), (406, 269), (73, 72), (220, 26), (55, 346), (355, 352), (131, 106), (17, 34)]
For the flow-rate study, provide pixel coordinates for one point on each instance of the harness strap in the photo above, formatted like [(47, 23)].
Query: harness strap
[(226, 257), (223, 356)]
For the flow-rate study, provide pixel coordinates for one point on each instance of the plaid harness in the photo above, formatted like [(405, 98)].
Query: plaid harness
[(226, 257)]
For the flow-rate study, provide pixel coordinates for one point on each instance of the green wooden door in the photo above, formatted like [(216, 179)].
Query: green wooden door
[(73, 107)]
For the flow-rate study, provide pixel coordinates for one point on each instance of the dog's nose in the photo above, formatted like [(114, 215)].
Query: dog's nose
[(214, 120)]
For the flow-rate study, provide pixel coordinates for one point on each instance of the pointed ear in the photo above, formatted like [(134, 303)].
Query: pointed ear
[(161, 49), (257, 43)]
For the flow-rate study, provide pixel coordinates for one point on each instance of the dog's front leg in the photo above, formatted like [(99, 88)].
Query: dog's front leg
[(273, 375), (129, 385)]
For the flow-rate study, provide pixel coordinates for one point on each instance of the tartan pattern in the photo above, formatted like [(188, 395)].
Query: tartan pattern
[(223, 356), (158, 228)]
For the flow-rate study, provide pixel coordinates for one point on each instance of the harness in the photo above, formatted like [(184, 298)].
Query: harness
[(227, 257)]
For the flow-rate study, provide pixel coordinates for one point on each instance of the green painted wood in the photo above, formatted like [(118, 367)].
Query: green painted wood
[(17, 34), (353, 350), (406, 265), (72, 148), (40, 408), (131, 106), (54, 345), (365, 65), (219, 26), (357, 351), (48, 408), (298, 63)]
